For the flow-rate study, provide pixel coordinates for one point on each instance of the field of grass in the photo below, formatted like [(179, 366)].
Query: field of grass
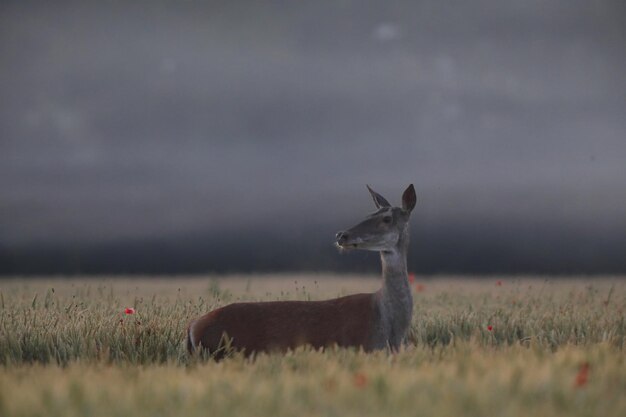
[(477, 347)]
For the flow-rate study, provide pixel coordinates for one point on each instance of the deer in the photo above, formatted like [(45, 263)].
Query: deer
[(367, 321)]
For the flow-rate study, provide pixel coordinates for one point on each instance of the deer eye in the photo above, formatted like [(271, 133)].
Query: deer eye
[(387, 219)]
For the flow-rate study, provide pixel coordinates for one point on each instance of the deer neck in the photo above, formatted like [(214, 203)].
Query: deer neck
[(395, 295), (395, 280)]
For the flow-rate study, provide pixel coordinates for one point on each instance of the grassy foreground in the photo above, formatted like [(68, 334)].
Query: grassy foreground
[(507, 347)]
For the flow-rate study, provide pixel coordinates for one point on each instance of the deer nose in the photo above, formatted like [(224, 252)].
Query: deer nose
[(341, 237)]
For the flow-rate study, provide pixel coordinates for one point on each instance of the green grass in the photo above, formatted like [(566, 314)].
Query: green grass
[(67, 348)]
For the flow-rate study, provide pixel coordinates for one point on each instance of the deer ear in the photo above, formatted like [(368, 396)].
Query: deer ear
[(409, 199), (379, 200)]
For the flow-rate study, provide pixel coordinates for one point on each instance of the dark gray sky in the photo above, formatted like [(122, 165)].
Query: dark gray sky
[(138, 120)]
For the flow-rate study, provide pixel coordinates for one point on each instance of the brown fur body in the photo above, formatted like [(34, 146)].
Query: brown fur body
[(281, 325)]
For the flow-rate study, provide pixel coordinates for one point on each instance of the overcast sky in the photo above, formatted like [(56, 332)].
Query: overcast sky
[(125, 120)]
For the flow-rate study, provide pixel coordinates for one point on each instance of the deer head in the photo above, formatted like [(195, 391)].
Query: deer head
[(385, 230)]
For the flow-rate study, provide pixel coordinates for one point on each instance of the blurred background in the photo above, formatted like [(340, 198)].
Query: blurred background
[(227, 136)]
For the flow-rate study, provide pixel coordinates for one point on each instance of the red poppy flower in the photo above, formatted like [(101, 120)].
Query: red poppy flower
[(129, 310), (490, 327), (419, 287), (411, 277), (582, 376), (498, 283), (360, 380)]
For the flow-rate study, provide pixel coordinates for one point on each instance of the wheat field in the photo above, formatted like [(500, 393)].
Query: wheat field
[(496, 346)]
